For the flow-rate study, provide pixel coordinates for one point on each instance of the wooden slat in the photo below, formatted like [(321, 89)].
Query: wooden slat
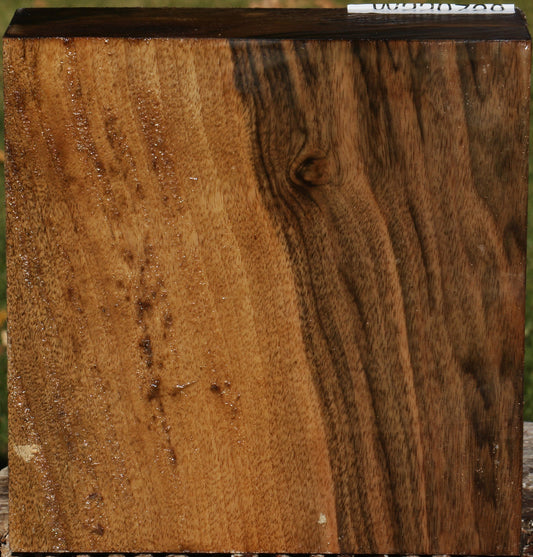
[(266, 296), (4, 507)]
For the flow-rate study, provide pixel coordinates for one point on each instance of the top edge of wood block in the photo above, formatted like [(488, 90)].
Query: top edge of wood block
[(260, 23)]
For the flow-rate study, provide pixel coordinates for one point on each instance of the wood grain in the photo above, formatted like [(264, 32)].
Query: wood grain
[(526, 547), (266, 296), (258, 23)]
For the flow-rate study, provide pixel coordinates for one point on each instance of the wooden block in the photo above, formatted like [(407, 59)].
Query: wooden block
[(266, 281)]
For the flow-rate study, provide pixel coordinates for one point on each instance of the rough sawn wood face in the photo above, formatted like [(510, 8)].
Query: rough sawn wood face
[(266, 296)]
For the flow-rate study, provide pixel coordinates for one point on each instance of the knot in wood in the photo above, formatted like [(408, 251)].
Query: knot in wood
[(313, 169)]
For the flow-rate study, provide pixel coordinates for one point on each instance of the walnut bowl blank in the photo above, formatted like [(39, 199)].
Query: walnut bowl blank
[(266, 281)]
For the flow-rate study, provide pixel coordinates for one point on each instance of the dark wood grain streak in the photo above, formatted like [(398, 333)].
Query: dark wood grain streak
[(402, 172), (259, 24), (265, 295)]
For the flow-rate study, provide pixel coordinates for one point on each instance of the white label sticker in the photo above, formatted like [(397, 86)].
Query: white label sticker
[(430, 8)]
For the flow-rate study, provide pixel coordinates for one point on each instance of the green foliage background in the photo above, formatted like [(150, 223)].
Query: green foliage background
[(7, 8)]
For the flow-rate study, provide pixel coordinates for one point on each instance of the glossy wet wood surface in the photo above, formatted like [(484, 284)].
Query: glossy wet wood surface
[(266, 297)]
